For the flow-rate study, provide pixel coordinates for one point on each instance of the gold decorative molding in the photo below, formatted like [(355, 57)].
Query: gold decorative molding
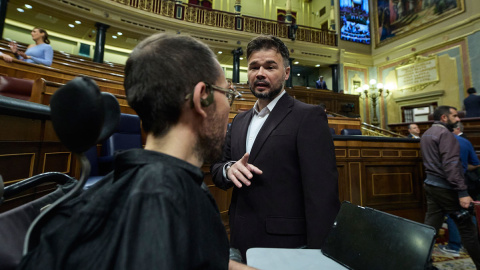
[(412, 97)]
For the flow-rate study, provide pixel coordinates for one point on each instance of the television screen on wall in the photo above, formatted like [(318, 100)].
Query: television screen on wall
[(355, 21)]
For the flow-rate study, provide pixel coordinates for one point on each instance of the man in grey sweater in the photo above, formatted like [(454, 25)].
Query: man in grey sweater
[(445, 187)]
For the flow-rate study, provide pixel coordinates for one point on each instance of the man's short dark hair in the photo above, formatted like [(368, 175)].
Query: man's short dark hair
[(410, 125), (266, 42), (441, 110), (459, 125), (471, 90), (160, 71)]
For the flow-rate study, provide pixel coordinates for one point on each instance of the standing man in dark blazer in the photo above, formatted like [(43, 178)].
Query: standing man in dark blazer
[(472, 103), (321, 84), (279, 158)]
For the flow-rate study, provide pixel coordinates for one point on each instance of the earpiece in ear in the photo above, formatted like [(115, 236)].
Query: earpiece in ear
[(207, 101)]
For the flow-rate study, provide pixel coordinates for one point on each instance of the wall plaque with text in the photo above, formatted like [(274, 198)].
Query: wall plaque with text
[(422, 71)]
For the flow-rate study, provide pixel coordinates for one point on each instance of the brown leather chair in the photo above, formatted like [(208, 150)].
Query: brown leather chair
[(15, 87)]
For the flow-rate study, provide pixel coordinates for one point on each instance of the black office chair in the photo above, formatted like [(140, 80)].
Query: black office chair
[(127, 135)]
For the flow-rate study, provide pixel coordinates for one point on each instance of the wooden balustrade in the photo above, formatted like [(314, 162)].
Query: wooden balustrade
[(226, 20)]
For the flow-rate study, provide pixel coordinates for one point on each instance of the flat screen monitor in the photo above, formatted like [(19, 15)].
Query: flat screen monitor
[(355, 21)]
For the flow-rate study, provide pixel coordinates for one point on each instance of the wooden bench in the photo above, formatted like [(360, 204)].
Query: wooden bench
[(43, 90), (21, 69)]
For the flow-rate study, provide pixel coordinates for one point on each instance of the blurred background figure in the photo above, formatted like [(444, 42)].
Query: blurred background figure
[(414, 131), (39, 53)]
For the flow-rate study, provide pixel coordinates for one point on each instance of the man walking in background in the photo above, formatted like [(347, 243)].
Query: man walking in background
[(444, 185)]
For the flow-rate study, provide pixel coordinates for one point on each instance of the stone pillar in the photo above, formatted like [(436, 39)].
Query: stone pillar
[(236, 64), (3, 15), (100, 42), (289, 82), (334, 78)]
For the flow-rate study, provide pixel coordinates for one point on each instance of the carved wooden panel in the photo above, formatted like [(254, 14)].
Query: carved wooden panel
[(343, 183), (355, 182), (23, 164), (57, 162), (19, 129), (393, 185), (390, 153), (340, 153), (353, 152), (371, 153)]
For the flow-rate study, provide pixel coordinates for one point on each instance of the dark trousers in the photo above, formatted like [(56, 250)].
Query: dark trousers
[(441, 201)]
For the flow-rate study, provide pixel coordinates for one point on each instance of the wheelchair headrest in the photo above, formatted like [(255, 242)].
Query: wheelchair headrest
[(82, 115)]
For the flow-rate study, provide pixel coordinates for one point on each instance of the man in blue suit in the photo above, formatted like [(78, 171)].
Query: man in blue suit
[(321, 84), (472, 103)]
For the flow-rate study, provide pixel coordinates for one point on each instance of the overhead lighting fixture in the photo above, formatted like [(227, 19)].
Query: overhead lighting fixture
[(296, 62), (220, 52), (317, 65), (114, 37), (119, 33), (78, 22), (71, 25), (298, 74), (20, 10), (28, 6), (241, 58)]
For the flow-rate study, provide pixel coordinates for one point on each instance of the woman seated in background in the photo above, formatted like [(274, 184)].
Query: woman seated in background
[(39, 53)]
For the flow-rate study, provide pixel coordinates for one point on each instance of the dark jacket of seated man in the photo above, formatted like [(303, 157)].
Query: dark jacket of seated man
[(151, 213)]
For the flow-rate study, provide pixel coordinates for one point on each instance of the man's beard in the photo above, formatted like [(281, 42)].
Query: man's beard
[(450, 125), (211, 138), (273, 93)]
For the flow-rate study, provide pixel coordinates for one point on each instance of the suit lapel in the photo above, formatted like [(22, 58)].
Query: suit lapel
[(281, 109), (242, 130)]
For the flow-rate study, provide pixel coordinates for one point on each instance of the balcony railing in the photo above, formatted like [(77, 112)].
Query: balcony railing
[(227, 20)]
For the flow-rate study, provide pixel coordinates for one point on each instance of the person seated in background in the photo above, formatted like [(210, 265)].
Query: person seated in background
[(324, 107), (39, 53), (472, 103), (413, 131), (458, 130), (7, 58), (153, 211)]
